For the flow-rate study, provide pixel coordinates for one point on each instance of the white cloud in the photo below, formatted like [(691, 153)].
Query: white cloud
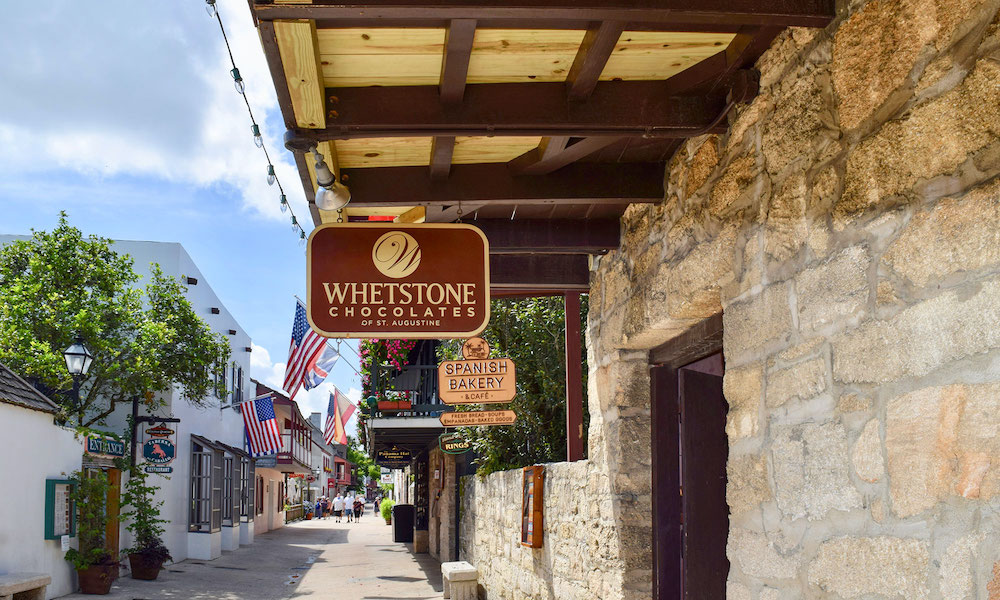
[(139, 89)]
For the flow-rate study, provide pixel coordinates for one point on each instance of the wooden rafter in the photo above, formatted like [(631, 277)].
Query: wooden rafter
[(299, 51), (598, 44), (540, 161), (550, 236), (616, 108), (806, 13), (540, 272), (459, 37), (623, 183)]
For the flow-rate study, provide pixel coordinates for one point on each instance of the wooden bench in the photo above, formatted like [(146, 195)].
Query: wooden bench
[(461, 580), (24, 586)]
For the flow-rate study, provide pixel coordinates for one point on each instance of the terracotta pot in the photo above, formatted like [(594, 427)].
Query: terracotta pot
[(97, 579), (143, 568)]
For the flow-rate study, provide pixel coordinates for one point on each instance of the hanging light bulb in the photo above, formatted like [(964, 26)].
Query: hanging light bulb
[(237, 80), (257, 139), (295, 223), (302, 237), (284, 203), (270, 175), (210, 8)]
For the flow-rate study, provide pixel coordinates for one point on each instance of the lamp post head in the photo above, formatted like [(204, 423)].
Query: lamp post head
[(78, 358)]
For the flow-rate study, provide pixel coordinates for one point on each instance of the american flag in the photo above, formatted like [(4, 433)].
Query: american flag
[(263, 436), (303, 351), (338, 413)]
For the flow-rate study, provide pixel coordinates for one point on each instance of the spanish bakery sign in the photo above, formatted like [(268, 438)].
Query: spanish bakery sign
[(393, 280), (478, 379)]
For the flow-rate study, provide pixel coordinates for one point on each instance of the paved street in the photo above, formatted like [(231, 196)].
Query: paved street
[(318, 559)]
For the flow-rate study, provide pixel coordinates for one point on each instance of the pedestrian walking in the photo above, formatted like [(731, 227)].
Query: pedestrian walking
[(359, 507), (319, 508), (326, 507), (338, 506), (349, 508)]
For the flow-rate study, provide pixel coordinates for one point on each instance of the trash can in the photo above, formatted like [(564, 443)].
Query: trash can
[(402, 523)]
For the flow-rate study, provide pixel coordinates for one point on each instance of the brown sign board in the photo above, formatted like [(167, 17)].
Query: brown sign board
[(489, 381), (375, 280), (476, 418)]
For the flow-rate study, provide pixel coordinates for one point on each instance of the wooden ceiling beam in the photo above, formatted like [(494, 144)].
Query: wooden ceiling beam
[(616, 108), (538, 161), (550, 236), (550, 272), (454, 72), (803, 13), (717, 70), (298, 48), (595, 49), (492, 183)]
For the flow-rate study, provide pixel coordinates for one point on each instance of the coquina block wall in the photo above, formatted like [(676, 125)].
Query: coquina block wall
[(848, 225)]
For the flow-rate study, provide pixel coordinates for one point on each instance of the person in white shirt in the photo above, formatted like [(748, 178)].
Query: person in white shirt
[(338, 506)]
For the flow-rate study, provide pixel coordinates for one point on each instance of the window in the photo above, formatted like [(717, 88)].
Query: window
[(228, 483), (259, 496), (201, 487), (238, 386), (216, 490), (247, 494)]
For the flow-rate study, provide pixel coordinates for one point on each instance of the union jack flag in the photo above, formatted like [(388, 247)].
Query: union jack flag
[(263, 435), (305, 348)]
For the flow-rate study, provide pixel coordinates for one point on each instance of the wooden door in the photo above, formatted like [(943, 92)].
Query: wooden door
[(690, 449), (113, 509)]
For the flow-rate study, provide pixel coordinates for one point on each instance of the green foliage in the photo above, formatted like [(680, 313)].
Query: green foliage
[(362, 462), (385, 508), (60, 284), (144, 517), (531, 332), (89, 495)]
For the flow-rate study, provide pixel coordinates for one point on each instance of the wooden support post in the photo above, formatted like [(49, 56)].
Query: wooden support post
[(574, 379)]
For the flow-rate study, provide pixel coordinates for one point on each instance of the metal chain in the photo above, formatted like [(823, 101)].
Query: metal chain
[(340, 215)]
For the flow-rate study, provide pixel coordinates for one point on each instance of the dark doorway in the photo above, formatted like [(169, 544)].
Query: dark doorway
[(689, 453)]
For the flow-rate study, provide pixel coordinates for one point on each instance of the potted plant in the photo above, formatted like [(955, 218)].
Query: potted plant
[(94, 564), (147, 555), (386, 509)]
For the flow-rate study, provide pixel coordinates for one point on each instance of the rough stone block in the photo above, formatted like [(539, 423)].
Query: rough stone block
[(752, 324), (746, 486), (799, 382), (755, 556), (735, 180), (932, 140), (796, 124), (737, 591), (957, 569), (874, 52), (834, 290), (742, 388), (810, 466), (867, 454), (702, 164), (943, 441), (692, 285), (858, 567), (921, 338), (786, 227), (956, 234), (853, 403)]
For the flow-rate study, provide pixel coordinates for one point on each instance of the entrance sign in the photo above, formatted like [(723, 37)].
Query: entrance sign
[(375, 280), (453, 443), (102, 446), (474, 418)]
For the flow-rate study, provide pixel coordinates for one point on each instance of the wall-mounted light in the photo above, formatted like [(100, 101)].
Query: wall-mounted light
[(331, 195)]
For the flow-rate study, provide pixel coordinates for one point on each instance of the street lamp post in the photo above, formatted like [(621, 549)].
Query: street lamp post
[(78, 359)]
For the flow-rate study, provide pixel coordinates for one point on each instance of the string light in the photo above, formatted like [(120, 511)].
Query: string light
[(258, 140)]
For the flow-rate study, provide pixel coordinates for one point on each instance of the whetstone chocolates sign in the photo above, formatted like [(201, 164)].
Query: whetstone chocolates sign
[(395, 280)]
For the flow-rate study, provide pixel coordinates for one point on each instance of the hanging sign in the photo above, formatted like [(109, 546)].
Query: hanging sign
[(478, 379), (394, 458), (159, 450), (98, 445), (377, 280), (476, 418), (453, 443)]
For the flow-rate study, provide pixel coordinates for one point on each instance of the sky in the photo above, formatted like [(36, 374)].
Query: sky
[(124, 115)]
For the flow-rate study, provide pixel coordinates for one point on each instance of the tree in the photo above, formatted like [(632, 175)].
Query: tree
[(362, 462), (59, 285), (531, 332)]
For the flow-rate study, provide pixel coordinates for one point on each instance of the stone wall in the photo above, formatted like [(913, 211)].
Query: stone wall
[(848, 226)]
